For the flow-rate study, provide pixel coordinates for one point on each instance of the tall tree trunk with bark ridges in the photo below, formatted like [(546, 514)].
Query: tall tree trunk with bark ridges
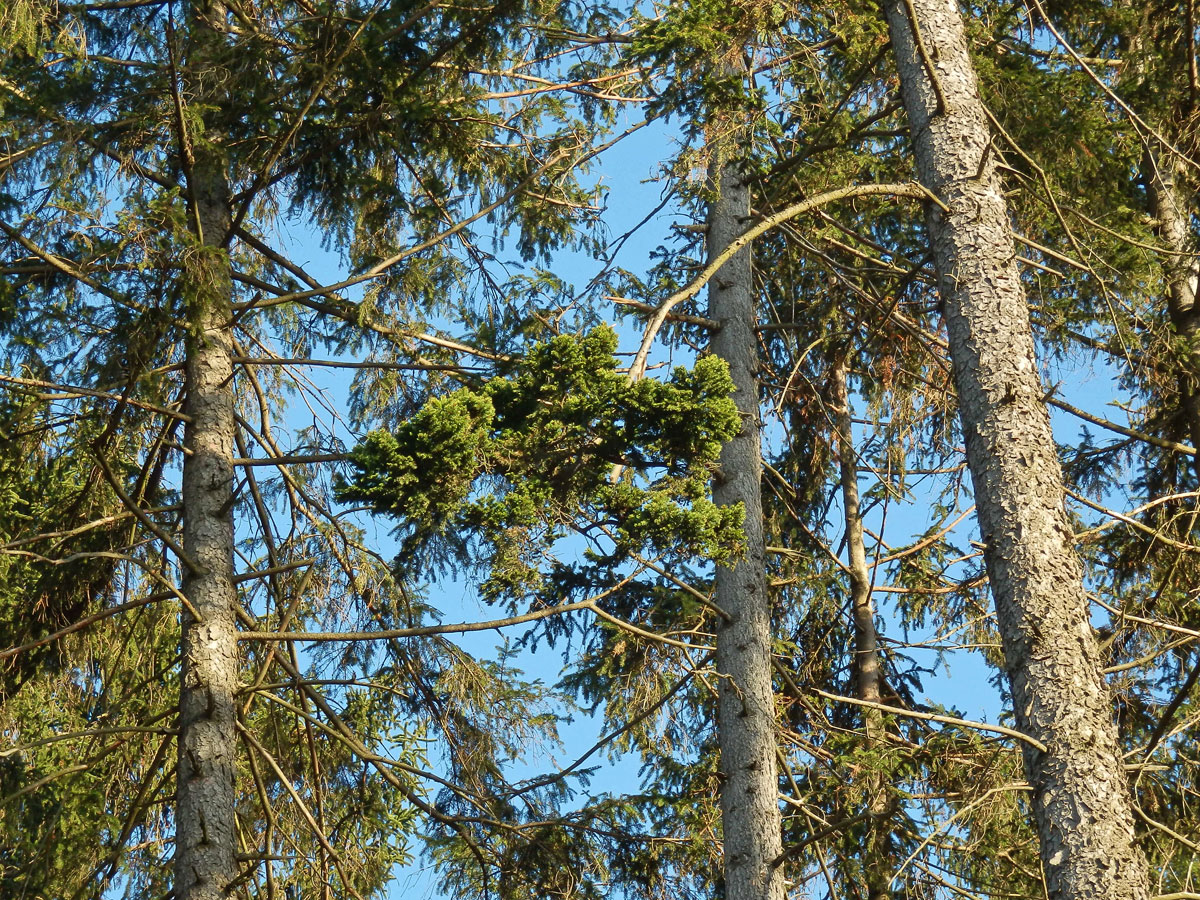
[(205, 862), (750, 816), (1081, 796)]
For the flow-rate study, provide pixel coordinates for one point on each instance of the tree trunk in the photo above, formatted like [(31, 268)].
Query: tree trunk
[(746, 706), (1081, 796), (1168, 186), (879, 863), (204, 842), (1168, 189)]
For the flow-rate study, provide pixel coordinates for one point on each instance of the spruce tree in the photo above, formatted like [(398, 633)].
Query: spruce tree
[(1081, 794), (152, 149)]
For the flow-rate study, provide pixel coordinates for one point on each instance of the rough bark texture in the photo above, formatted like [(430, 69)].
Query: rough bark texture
[(1081, 794), (746, 706), (879, 862), (204, 843)]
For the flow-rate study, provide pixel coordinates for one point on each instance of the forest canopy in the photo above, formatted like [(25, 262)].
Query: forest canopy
[(577, 450)]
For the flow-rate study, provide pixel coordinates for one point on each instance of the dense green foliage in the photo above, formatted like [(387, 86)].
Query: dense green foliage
[(380, 125), (491, 422), (561, 443)]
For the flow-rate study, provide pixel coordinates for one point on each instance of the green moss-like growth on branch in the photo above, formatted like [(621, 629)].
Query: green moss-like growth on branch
[(516, 464)]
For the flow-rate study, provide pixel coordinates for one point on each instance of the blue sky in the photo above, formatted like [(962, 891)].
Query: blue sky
[(631, 177)]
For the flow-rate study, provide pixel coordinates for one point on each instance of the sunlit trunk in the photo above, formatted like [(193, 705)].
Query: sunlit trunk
[(205, 863), (1081, 795), (746, 714)]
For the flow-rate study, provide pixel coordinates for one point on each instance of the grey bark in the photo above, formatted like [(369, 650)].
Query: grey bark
[(205, 864), (751, 821), (1081, 795), (879, 862)]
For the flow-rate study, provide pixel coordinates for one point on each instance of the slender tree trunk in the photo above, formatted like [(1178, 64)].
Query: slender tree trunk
[(879, 863), (1081, 795), (204, 843), (746, 706), (1168, 190)]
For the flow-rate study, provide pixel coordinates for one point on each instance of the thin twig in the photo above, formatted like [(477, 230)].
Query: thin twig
[(935, 717)]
